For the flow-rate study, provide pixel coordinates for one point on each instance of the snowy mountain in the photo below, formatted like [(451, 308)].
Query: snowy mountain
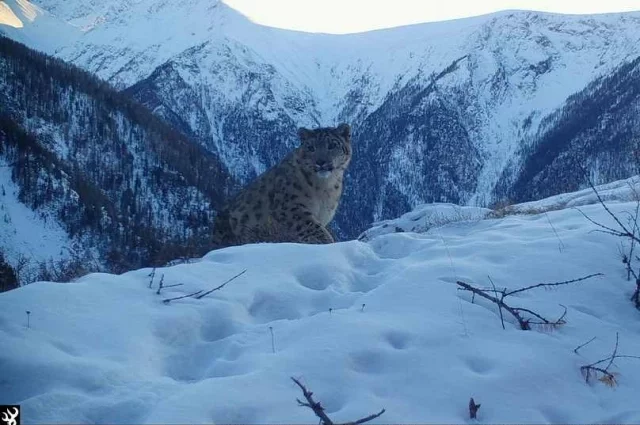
[(89, 174), (29, 24), (442, 112), (364, 325), (597, 131)]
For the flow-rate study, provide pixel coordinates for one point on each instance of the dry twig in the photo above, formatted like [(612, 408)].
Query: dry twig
[(160, 285), (499, 299), (608, 378), (319, 410), (632, 234), (473, 409), (575, 350), (548, 285), (199, 294), (152, 275), (221, 286), (193, 294)]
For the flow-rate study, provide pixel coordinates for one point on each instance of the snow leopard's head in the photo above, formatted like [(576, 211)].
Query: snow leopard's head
[(326, 150)]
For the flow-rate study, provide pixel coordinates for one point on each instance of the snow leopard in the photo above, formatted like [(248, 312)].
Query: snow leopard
[(295, 200)]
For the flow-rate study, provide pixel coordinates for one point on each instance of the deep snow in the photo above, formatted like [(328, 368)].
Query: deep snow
[(105, 349)]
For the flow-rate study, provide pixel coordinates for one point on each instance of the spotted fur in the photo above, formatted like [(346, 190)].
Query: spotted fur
[(294, 200)]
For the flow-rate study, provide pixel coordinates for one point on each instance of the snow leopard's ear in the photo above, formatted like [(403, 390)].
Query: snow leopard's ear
[(344, 130), (304, 134)]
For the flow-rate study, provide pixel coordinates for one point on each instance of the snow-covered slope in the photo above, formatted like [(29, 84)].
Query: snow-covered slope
[(27, 236), (114, 175), (29, 24), (365, 326)]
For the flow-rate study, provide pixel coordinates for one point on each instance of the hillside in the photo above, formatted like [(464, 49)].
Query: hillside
[(596, 132), (127, 189)]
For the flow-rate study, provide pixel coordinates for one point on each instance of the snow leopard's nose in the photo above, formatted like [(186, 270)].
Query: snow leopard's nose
[(322, 165)]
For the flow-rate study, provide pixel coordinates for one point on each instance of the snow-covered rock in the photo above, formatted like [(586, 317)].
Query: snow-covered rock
[(425, 217), (627, 190)]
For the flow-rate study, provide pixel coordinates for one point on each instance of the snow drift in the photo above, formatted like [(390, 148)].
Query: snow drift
[(365, 325)]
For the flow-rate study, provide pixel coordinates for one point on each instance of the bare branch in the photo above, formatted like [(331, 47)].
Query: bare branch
[(543, 321), (221, 286), (319, 410), (615, 351), (160, 285), (615, 217), (524, 324), (312, 404), (561, 244), (566, 282), (632, 234), (607, 377), (198, 294), (152, 275), (172, 286), (561, 318), (499, 306), (607, 228), (368, 418), (606, 232), (168, 300), (498, 298), (575, 350)]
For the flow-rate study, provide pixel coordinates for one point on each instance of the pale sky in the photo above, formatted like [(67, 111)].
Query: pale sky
[(346, 16)]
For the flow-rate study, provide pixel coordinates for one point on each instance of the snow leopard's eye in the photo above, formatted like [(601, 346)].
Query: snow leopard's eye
[(332, 145), (311, 148)]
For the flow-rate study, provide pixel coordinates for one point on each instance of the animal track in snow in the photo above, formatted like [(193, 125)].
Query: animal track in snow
[(398, 339)]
